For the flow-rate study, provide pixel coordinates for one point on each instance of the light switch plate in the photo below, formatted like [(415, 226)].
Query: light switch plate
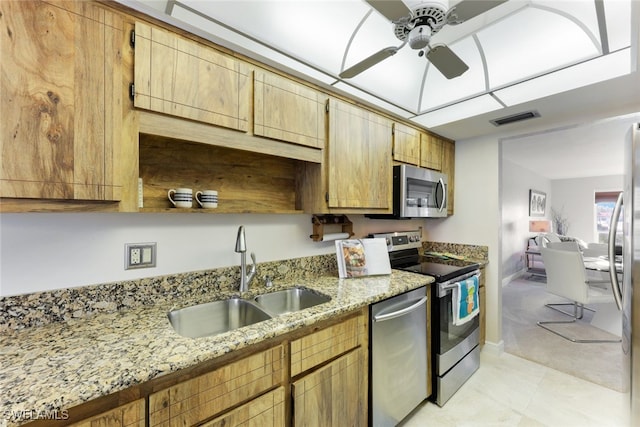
[(139, 255)]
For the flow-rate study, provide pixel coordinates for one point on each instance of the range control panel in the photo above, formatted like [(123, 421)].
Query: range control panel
[(399, 240)]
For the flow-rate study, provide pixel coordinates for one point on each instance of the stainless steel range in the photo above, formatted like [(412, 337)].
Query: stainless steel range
[(454, 348)]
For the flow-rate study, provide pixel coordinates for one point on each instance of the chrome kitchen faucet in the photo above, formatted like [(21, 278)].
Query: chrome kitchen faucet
[(241, 248)]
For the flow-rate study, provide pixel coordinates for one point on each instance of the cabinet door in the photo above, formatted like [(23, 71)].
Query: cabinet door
[(288, 111), (195, 400), (61, 101), (431, 152), (406, 144), (448, 167), (129, 415), (180, 77), (334, 395), (359, 158), (265, 411)]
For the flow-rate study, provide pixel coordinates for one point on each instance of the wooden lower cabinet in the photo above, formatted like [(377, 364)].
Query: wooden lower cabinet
[(264, 411), (482, 291), (333, 394), (129, 415), (315, 376)]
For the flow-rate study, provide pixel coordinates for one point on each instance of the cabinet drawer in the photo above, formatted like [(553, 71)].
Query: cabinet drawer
[(129, 415), (200, 398), (324, 345), (264, 411)]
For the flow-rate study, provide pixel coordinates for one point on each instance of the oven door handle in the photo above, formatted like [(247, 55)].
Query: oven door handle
[(393, 315)]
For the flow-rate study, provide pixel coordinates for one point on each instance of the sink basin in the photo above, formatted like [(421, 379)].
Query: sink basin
[(216, 317), (289, 300)]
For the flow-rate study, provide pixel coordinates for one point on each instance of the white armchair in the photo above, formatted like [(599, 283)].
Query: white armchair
[(567, 278)]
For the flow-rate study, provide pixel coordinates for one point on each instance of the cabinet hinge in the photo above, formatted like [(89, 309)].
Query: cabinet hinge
[(132, 91), (132, 39), (326, 107), (326, 197)]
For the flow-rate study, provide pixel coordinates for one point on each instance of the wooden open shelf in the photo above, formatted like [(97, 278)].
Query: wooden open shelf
[(246, 182)]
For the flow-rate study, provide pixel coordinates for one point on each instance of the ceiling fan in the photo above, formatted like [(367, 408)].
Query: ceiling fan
[(415, 27)]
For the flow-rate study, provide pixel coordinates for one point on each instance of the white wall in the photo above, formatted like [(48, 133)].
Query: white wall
[(52, 251), (477, 217), (516, 183), (575, 199)]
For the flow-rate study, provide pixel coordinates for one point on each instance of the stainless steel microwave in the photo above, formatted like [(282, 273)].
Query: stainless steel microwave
[(417, 193)]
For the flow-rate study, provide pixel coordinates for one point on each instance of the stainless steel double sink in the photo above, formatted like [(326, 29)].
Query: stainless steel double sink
[(216, 317)]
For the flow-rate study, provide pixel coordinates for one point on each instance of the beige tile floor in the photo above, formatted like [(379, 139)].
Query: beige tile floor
[(511, 391)]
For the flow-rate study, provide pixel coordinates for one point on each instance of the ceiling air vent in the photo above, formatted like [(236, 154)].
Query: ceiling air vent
[(515, 118)]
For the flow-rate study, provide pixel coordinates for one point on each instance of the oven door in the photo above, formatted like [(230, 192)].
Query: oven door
[(451, 342)]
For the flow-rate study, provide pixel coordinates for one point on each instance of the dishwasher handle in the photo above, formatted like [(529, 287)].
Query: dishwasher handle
[(393, 315)]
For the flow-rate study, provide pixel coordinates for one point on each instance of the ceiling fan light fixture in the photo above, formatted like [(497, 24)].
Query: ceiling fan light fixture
[(419, 37)]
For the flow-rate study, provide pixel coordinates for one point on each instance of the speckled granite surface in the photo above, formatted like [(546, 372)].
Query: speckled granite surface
[(475, 253), (61, 364), (41, 308)]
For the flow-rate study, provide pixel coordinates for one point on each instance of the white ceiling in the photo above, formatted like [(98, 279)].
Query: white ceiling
[(584, 150), (578, 111)]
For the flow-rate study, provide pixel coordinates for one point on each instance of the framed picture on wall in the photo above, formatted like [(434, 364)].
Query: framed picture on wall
[(537, 203)]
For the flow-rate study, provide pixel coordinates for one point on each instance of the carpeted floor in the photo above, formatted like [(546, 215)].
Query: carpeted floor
[(523, 304)]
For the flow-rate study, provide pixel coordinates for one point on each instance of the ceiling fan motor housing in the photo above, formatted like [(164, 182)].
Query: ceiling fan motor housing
[(432, 16)]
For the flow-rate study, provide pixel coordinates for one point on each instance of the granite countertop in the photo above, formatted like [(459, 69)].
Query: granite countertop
[(63, 364)]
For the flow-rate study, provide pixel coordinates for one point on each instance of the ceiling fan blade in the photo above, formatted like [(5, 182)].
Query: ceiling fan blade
[(468, 9), (369, 62), (447, 62), (393, 10)]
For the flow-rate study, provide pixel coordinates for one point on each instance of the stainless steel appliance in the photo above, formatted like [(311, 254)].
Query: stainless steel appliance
[(626, 298), (417, 193), (454, 349), (398, 356)]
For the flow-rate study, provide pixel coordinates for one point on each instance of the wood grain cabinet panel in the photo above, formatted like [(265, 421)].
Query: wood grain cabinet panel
[(431, 152), (406, 144), (178, 76), (314, 349), (448, 167), (332, 395), (288, 111), (201, 398), (129, 415), (264, 411), (359, 158), (62, 100)]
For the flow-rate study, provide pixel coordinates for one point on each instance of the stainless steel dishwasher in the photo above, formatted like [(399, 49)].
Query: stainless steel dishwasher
[(398, 375)]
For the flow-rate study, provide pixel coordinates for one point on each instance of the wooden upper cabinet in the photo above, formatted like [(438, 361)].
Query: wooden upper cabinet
[(178, 76), (288, 111), (448, 167), (62, 100), (406, 144), (431, 152), (359, 158)]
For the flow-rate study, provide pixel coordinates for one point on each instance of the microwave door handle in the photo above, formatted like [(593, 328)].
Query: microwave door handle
[(444, 195)]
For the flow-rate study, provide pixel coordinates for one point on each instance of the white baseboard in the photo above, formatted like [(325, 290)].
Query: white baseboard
[(514, 276), (494, 349)]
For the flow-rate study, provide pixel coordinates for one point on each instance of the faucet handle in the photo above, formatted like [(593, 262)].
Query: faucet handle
[(253, 260)]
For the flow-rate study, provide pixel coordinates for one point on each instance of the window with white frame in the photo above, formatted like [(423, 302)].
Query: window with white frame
[(605, 201)]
